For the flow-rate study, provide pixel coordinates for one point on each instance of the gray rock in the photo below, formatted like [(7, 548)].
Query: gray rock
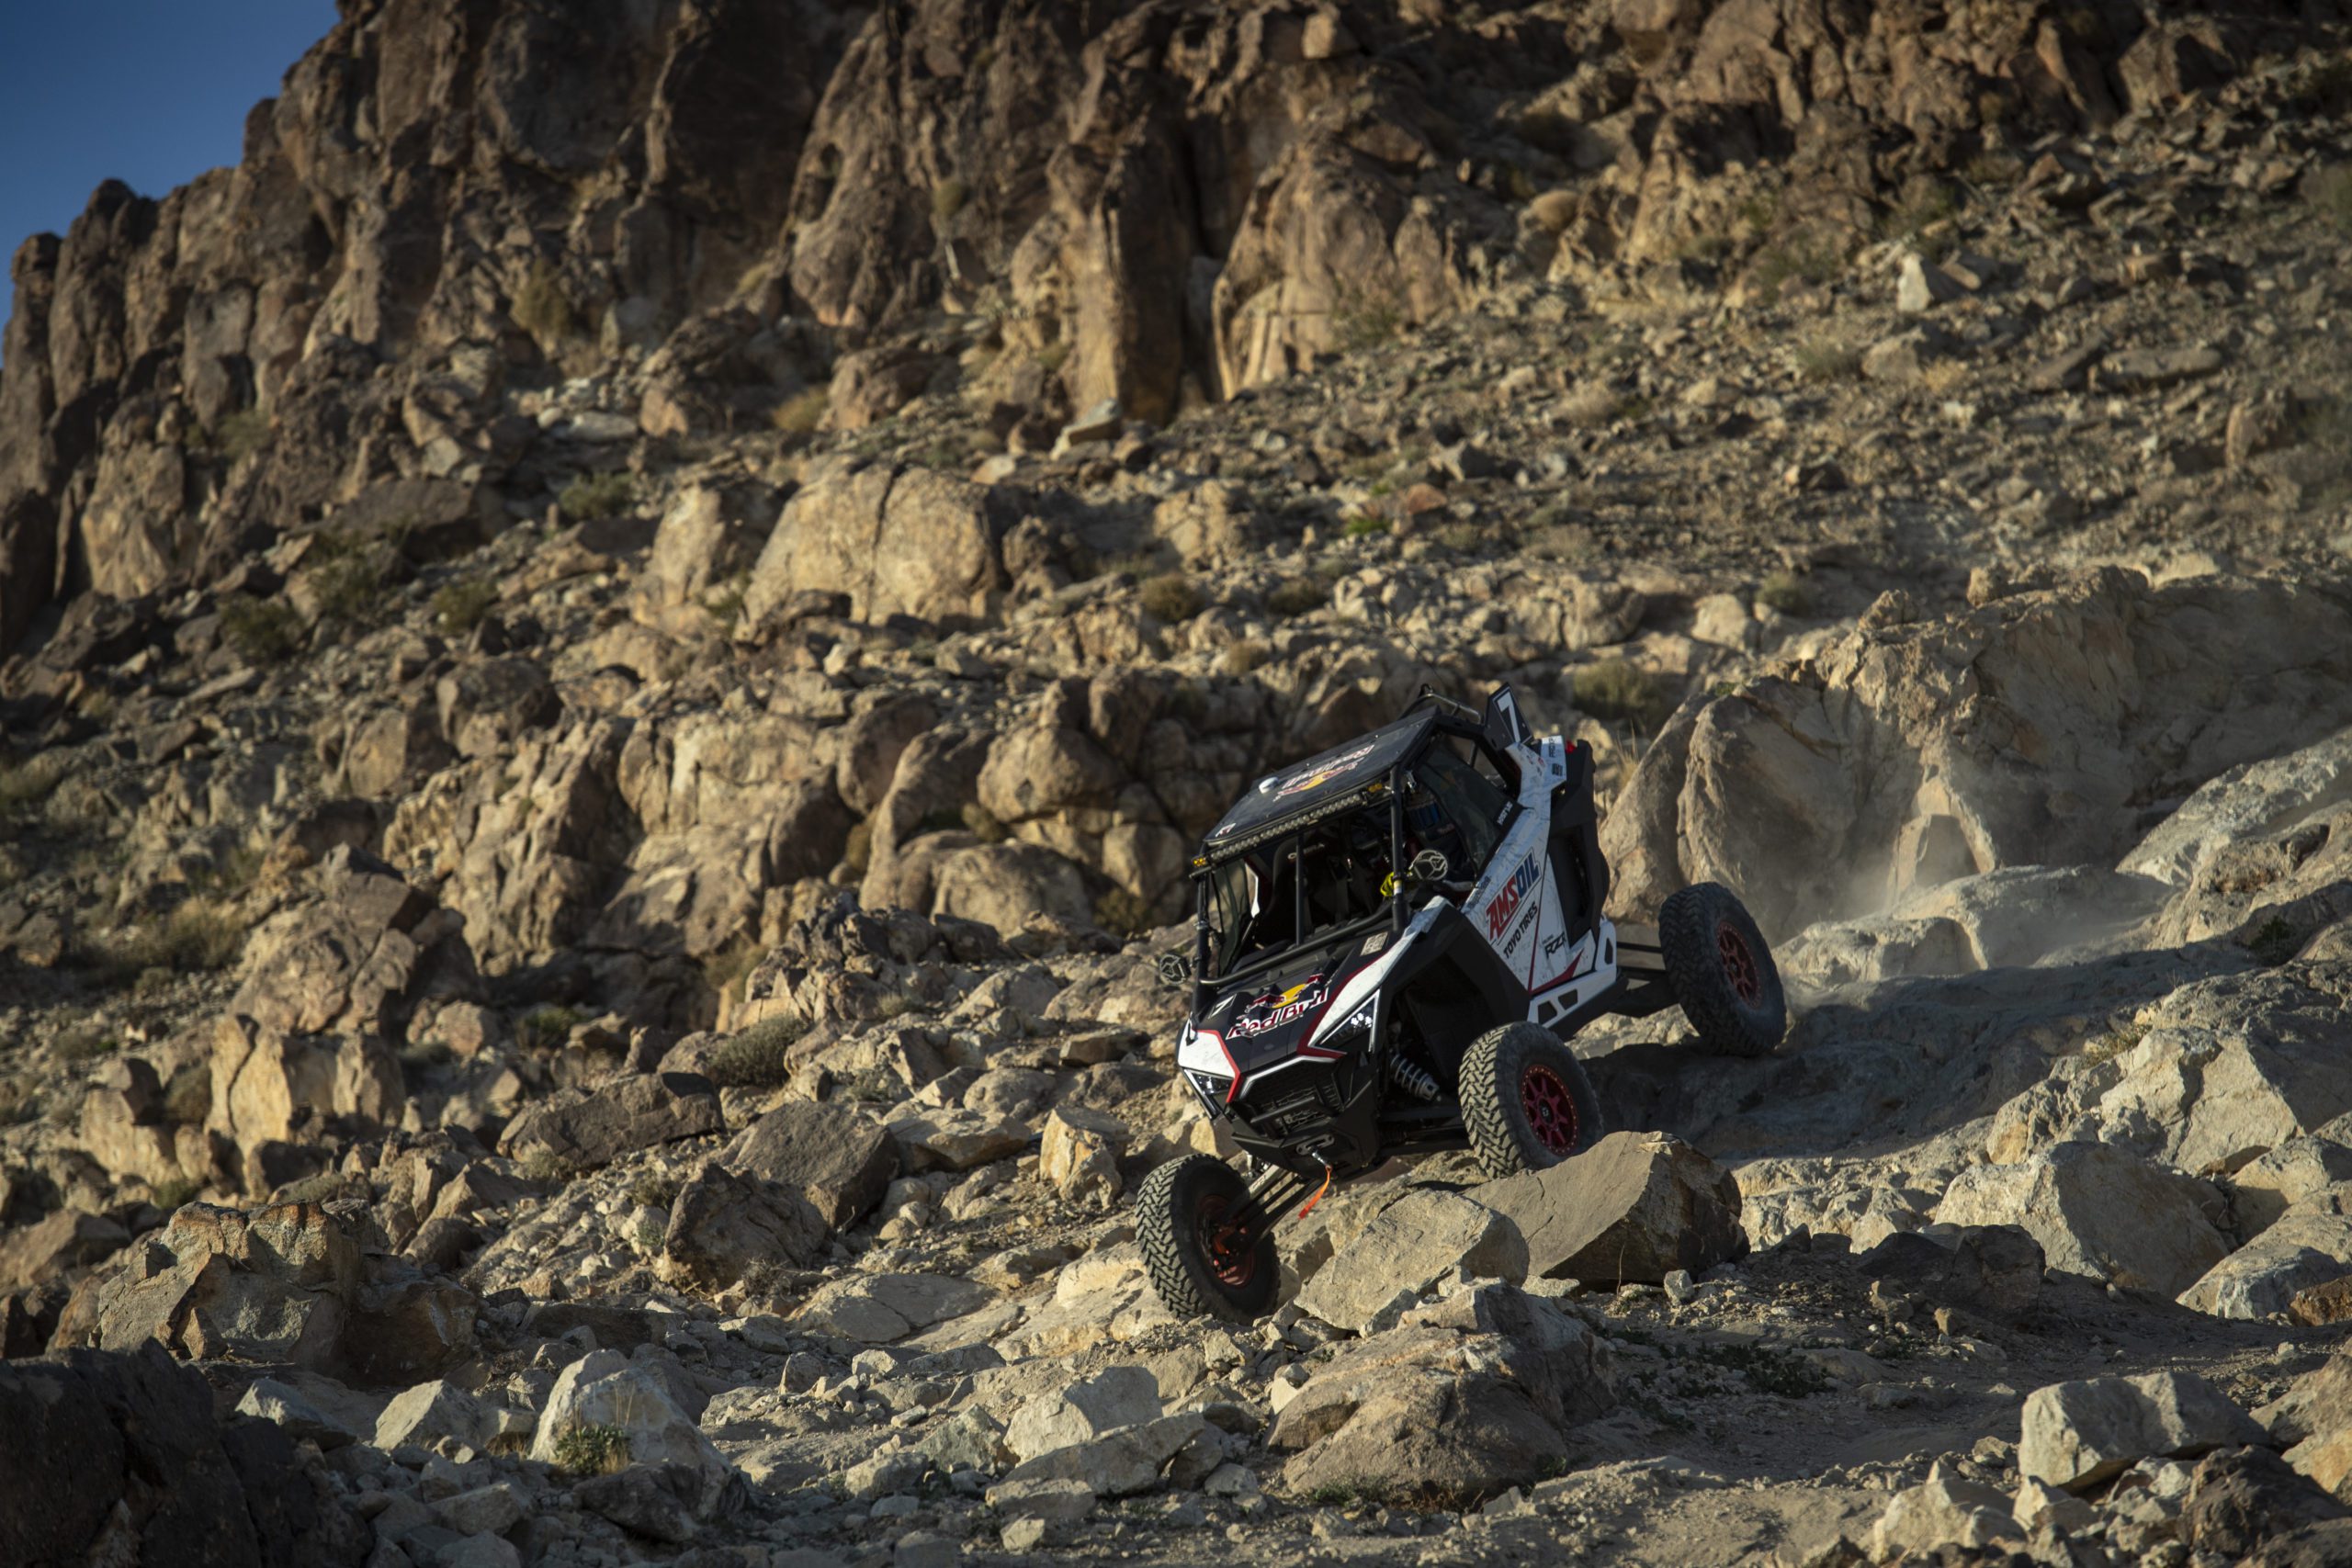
[(1117, 1396), (837, 1158), (1422, 1236), (2076, 1435), (1635, 1206), (633, 1113), (656, 1501), (2097, 1210)]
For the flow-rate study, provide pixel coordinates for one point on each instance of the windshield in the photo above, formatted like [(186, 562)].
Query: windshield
[(1300, 888)]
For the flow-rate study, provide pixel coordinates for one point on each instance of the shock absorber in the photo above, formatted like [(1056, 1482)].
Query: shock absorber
[(1413, 1080)]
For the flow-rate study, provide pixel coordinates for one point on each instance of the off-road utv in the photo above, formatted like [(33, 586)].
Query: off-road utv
[(1392, 941)]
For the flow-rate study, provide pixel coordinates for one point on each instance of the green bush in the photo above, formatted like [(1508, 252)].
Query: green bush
[(544, 309), (1828, 359), (548, 1024), (24, 786), (1298, 596), (1618, 692), (802, 412), (1786, 592), (188, 1096), (593, 1451), (592, 498), (1813, 261), (2329, 191), (1363, 526), (263, 631), (85, 1042), (948, 196), (351, 589), (2273, 943), (756, 1058), (239, 435), (173, 1194), (1171, 598), (459, 607), (197, 938), (1122, 913)]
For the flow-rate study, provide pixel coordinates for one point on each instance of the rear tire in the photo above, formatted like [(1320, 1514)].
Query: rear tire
[(1526, 1101), (1188, 1250), (1722, 971)]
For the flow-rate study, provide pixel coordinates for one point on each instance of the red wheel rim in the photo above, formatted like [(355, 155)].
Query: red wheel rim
[(1739, 965), (1224, 1243), (1551, 1109)]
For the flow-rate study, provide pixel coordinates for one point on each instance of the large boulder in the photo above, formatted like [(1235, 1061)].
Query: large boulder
[(838, 1159), (120, 1458), (1469, 1396), (269, 1087), (2097, 1210), (634, 1111), (2236, 1065), (723, 1226), (1423, 1236), (605, 1389), (2076, 1435), (1992, 1271), (275, 1284), (2308, 1246), (897, 541), (1635, 1206), (353, 957), (1914, 750)]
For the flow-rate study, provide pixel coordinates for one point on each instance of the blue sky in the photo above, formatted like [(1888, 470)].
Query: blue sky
[(149, 92)]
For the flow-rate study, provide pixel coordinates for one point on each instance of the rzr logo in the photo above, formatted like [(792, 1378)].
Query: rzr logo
[(1276, 1009), (1505, 903)]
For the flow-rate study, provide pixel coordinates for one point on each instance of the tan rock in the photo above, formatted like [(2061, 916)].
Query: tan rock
[(1634, 1206)]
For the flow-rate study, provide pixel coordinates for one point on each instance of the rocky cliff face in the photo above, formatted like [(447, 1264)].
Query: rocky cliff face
[(614, 647), (1169, 201)]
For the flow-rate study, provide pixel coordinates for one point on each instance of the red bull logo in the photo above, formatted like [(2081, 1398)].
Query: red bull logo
[(1276, 1009)]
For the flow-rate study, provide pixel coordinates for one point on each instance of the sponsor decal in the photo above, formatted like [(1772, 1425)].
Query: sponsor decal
[(1309, 778), (1277, 1009), (1553, 943), (1375, 942), (1506, 902)]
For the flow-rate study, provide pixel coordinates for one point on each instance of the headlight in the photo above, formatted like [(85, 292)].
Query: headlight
[(1365, 1018)]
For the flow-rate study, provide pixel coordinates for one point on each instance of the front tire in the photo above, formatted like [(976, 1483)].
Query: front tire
[(1192, 1247), (1722, 971), (1526, 1101)]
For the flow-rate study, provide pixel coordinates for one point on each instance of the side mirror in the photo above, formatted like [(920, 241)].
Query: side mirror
[(1429, 866), (1175, 969)]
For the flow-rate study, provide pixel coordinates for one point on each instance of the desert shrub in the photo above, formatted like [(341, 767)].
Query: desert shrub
[(198, 937), (460, 605), (1122, 912), (982, 824), (948, 196), (1363, 526), (1786, 592), (546, 1025), (1618, 692), (1815, 261), (546, 1168), (2273, 943), (1298, 596), (592, 498), (755, 1058), (1822, 359), (649, 1191), (1365, 321), (2328, 89), (24, 786), (593, 1451), (1924, 204), (802, 412), (2329, 191), (1242, 658), (188, 1096), (240, 434), (2115, 1041), (1170, 597), (858, 849), (726, 970), (173, 1194), (543, 308), (263, 631), (1053, 356), (351, 589), (85, 1042)]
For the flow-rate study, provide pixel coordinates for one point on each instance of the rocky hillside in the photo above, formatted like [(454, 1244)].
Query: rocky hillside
[(614, 646)]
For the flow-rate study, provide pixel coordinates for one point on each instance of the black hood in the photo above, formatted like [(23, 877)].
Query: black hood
[(1265, 1016)]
